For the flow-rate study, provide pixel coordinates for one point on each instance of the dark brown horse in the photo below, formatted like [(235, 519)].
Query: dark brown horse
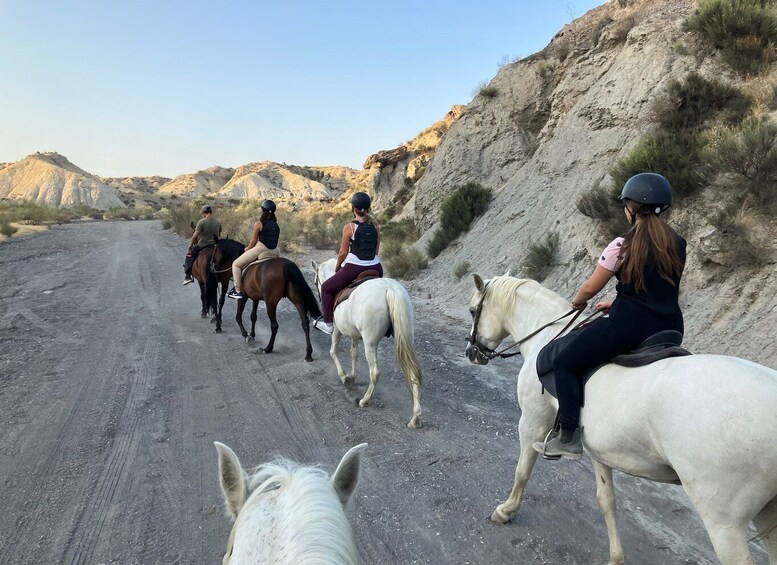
[(271, 281), (223, 254), (200, 271)]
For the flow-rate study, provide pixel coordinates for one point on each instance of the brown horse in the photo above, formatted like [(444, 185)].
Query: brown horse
[(271, 281), (200, 271), (223, 254)]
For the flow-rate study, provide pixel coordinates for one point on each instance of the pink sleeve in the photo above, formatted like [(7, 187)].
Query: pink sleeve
[(610, 258)]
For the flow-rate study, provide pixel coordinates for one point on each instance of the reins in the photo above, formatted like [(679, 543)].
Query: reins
[(502, 353)]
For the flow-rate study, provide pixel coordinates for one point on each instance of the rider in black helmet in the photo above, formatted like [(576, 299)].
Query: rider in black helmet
[(206, 234), (648, 262), (264, 244), (359, 248)]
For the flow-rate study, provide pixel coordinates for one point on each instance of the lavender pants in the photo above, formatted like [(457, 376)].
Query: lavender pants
[(337, 282)]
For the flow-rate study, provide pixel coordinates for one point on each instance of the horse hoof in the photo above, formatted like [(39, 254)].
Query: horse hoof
[(213, 320), (309, 358), (203, 315), (414, 423), (349, 380), (249, 339), (218, 330), (499, 517), (363, 404)]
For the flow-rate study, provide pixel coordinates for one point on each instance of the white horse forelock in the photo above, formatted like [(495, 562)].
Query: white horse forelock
[(298, 508)]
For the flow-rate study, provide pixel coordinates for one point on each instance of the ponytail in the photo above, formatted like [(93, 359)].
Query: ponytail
[(649, 238)]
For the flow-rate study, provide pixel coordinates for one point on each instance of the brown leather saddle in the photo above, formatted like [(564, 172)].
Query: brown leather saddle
[(364, 276)]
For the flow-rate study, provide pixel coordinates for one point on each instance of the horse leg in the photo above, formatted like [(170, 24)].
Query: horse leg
[(371, 353), (766, 524), (336, 335), (351, 378), (415, 393), (241, 305), (204, 311), (222, 298), (726, 530), (306, 328), (605, 498), (528, 433), (271, 309), (252, 337)]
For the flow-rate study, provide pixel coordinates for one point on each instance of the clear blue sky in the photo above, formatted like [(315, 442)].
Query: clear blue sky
[(138, 87)]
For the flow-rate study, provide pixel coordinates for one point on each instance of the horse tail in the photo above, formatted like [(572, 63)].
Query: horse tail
[(211, 288), (401, 313), (297, 284)]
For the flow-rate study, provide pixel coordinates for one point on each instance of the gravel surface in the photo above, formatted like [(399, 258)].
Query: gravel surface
[(113, 389)]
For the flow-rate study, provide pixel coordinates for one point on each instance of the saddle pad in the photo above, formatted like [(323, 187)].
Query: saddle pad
[(261, 259), (638, 358), (344, 294)]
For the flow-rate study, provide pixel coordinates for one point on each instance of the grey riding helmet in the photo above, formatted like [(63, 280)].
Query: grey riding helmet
[(361, 201), (206, 209), (649, 189), (268, 205)]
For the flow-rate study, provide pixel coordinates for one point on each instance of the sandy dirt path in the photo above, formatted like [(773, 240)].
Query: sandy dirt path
[(112, 391)]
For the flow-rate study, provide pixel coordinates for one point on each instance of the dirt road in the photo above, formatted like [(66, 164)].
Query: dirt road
[(112, 391)]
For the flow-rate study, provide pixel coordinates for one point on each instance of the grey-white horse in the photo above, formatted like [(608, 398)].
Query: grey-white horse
[(706, 422)]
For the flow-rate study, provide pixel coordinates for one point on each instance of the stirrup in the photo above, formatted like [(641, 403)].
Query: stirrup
[(551, 434)]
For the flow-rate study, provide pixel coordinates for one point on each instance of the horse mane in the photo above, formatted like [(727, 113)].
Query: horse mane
[(231, 248), (306, 503), (504, 291)]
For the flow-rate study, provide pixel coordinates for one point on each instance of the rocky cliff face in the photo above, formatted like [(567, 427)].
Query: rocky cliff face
[(199, 183), (50, 179), (553, 128)]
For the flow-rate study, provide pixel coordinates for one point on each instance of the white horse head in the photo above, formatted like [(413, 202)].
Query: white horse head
[(703, 421), (285, 513), (374, 309)]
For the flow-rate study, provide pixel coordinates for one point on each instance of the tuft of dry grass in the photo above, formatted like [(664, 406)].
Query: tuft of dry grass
[(539, 256)]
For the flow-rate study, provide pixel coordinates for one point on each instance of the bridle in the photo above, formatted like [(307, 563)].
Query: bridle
[(486, 352)]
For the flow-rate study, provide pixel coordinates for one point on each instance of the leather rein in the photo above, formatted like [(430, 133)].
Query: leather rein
[(489, 353)]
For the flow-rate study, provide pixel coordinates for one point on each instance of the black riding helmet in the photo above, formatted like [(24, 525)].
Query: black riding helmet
[(268, 205), (649, 189), (361, 201)]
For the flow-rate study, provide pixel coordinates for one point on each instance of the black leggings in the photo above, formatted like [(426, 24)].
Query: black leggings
[(595, 345)]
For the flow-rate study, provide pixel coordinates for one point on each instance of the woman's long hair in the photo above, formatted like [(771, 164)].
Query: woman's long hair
[(649, 238), (267, 215)]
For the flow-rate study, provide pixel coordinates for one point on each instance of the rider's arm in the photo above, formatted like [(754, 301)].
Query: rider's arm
[(344, 244), (255, 237), (195, 238), (593, 286)]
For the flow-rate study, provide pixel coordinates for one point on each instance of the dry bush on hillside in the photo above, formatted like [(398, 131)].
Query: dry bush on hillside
[(547, 68), (406, 264), (538, 259), (457, 212), (7, 229), (461, 269), (483, 89)]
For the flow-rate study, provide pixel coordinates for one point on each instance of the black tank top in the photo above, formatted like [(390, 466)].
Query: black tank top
[(364, 243), (660, 297), (270, 234)]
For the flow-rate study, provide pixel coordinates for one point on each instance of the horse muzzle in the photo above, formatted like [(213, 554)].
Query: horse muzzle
[(475, 356)]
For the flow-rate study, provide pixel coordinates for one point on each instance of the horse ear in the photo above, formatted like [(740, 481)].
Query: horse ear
[(193, 226), (509, 272), (313, 263), (232, 479), (479, 284), (347, 475)]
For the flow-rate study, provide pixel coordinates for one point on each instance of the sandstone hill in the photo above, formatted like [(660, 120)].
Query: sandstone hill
[(550, 126), (50, 179), (197, 184)]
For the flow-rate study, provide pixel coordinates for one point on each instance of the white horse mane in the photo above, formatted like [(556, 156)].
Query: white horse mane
[(307, 502), (503, 290)]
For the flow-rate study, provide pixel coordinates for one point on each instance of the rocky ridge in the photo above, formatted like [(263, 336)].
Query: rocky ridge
[(557, 123)]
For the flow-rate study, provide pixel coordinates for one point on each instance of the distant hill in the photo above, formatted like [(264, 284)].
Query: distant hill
[(50, 179)]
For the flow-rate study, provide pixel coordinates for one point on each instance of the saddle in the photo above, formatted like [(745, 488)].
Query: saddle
[(658, 346), (364, 276)]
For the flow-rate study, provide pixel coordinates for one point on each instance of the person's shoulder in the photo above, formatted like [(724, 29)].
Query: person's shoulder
[(615, 243), (200, 223)]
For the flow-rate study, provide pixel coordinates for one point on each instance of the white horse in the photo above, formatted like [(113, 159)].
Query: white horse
[(707, 422), (288, 514), (372, 309)]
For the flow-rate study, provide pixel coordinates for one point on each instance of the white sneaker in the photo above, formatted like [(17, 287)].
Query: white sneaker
[(321, 325)]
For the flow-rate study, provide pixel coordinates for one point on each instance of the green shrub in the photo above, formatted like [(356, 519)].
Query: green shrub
[(7, 229), (406, 264), (676, 155), (457, 212), (744, 30), (539, 256), (546, 68), (692, 101), (181, 217), (486, 91), (461, 269), (599, 203), (167, 223), (749, 154)]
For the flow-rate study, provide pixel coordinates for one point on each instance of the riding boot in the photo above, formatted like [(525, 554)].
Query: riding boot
[(568, 444)]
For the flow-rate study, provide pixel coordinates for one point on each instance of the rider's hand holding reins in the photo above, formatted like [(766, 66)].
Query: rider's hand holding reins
[(603, 307)]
